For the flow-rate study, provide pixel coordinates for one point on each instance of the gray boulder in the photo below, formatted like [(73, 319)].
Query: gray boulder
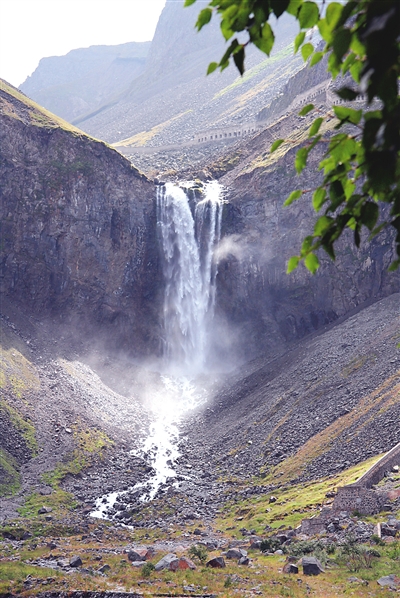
[(217, 562), (311, 565), (235, 553), (134, 556), (165, 562), (76, 561), (389, 581)]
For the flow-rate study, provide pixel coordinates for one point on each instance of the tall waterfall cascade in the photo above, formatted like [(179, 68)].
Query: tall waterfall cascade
[(189, 224), (188, 242)]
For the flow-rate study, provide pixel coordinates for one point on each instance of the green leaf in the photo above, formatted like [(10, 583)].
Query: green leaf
[(348, 63), (308, 15), (357, 46), (299, 39), (306, 109), (311, 263), (325, 30), (294, 6), (306, 51), (369, 214), (306, 245), (333, 13), (279, 6), (316, 57), (315, 127), (292, 197), (356, 70), (189, 2), (203, 18), (238, 58), (348, 114), (322, 225), (212, 67), (346, 93), (226, 29), (292, 264), (341, 43), (266, 41), (392, 268), (301, 159), (276, 144), (319, 198), (334, 65)]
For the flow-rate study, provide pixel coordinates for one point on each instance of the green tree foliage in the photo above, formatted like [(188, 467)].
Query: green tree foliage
[(361, 165)]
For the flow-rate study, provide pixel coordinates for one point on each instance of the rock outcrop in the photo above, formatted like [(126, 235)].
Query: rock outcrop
[(78, 229), (266, 305)]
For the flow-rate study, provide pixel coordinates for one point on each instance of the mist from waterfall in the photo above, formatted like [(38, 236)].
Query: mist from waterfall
[(189, 226), (188, 241)]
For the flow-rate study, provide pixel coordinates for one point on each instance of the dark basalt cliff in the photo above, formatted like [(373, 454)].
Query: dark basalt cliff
[(77, 229), (268, 306)]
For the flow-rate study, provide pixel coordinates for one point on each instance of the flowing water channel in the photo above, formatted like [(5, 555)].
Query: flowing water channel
[(189, 226)]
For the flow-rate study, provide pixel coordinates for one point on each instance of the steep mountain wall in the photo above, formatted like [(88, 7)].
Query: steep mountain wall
[(173, 98), (78, 229), (86, 78), (266, 305)]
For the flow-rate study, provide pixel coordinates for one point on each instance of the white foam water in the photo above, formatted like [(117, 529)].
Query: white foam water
[(189, 235)]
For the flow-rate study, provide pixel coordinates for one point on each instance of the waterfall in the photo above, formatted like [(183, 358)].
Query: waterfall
[(188, 241)]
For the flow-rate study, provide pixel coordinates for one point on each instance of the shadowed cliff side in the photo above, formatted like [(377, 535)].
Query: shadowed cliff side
[(77, 228), (260, 235)]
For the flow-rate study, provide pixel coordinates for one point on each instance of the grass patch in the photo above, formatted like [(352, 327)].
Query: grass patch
[(13, 574), (59, 501), (357, 363), (24, 426), (17, 373), (294, 503), (38, 115), (90, 444), (11, 481)]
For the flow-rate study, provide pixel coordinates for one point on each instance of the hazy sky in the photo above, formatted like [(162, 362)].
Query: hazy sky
[(33, 29)]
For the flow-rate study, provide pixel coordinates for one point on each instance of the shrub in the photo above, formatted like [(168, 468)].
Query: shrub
[(198, 552), (270, 544), (147, 569)]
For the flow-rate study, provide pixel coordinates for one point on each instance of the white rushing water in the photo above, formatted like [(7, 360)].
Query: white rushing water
[(188, 243), (189, 235)]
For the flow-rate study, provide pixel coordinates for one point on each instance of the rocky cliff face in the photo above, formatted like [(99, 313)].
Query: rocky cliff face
[(267, 306), (78, 229)]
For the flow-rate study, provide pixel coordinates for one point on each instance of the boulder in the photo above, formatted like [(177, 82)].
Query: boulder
[(290, 568), (290, 565), (135, 556), (165, 562), (181, 564), (76, 561), (311, 565), (389, 581), (235, 553), (217, 562), (244, 560)]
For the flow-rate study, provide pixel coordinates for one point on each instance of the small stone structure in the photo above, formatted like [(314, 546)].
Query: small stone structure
[(360, 496), (227, 133)]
